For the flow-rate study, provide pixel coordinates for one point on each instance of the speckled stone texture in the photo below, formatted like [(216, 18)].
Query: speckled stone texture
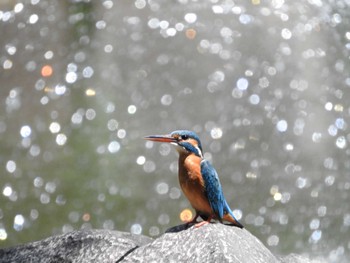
[(209, 243), (76, 246)]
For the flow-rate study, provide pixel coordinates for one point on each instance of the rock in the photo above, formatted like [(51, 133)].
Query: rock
[(209, 243), (76, 246)]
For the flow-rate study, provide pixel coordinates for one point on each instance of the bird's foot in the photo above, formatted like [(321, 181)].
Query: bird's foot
[(198, 225), (193, 220)]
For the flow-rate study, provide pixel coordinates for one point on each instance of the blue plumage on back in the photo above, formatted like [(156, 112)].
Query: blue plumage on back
[(214, 191), (213, 188)]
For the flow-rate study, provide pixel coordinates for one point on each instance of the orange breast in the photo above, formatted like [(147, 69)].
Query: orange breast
[(192, 183)]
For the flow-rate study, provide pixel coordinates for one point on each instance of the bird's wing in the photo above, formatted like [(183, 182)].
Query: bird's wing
[(213, 188)]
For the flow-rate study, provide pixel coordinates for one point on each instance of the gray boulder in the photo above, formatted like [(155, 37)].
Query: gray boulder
[(209, 243), (77, 246)]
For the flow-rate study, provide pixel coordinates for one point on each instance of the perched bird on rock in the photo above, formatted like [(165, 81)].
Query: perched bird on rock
[(198, 179)]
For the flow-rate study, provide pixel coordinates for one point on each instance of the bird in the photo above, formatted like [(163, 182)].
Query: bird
[(198, 179)]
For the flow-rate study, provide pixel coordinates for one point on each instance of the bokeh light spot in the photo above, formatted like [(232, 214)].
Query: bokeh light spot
[(191, 33), (136, 229), (141, 160), (162, 188), (61, 139), (11, 166), (186, 215), (90, 92), (3, 234), (25, 131), (132, 109), (46, 71), (18, 222), (190, 18), (282, 125)]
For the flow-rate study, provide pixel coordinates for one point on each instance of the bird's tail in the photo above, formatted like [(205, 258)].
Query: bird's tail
[(228, 216)]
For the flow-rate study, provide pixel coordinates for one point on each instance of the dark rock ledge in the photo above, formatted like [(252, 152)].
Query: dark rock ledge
[(209, 243)]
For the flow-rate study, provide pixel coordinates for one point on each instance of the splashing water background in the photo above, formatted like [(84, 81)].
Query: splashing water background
[(265, 85)]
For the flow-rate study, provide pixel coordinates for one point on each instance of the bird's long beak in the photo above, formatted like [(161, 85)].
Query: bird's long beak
[(161, 138)]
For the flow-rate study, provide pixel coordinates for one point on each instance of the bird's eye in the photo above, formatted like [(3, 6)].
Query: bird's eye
[(184, 137)]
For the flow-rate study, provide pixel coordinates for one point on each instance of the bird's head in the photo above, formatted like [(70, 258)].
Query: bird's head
[(186, 141)]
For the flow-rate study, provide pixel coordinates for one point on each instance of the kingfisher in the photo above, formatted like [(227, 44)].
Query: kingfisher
[(198, 179)]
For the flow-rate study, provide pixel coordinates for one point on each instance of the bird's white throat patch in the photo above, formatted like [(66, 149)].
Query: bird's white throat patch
[(181, 149)]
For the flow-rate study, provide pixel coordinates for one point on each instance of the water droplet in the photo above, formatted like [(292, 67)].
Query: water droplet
[(316, 137), (149, 166), (113, 147), (162, 188), (153, 23), (50, 187), (322, 211), (90, 114), (164, 219), (3, 234), (25, 131), (34, 214), (61, 139), (316, 236), (329, 180), (108, 4), (346, 220), (328, 106), (110, 107), (286, 33), (54, 127), (254, 99), (77, 118), (7, 191), (216, 133), (341, 142), (190, 18), (49, 54), (112, 125), (174, 193), (164, 24), (277, 196), (73, 216), (18, 222), (18, 8), (164, 149), (171, 32), (136, 229), (242, 84), (282, 125), (245, 19), (166, 99), (141, 160), (33, 19), (314, 224), (44, 198), (289, 147), (71, 77), (154, 231), (121, 134), (132, 109), (301, 182), (273, 240), (60, 89), (88, 72), (11, 166)]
